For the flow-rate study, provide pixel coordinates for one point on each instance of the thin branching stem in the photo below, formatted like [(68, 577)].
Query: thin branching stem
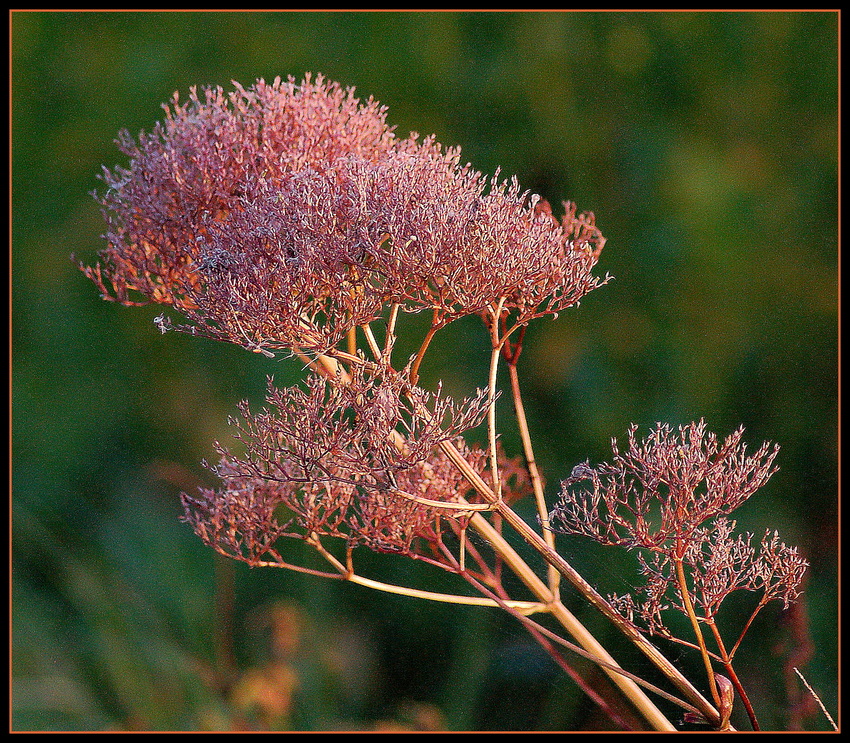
[(436, 324), (495, 354), (539, 628), (389, 338), (762, 603), (546, 638), (346, 572), (568, 620), (733, 677), (455, 508), (373, 343), (567, 571), (554, 576), (689, 608)]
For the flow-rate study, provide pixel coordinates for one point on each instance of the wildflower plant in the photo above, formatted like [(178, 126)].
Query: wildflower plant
[(289, 218)]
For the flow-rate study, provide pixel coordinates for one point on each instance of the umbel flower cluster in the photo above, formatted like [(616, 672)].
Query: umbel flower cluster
[(289, 217), (355, 459), (283, 215), (667, 498)]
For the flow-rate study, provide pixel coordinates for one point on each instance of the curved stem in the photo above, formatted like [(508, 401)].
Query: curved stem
[(817, 699), (522, 607), (733, 677), (417, 362), (345, 572), (554, 576), (760, 606), (456, 508), (689, 608)]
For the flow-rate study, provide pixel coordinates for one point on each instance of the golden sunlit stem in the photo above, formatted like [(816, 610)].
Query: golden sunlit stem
[(495, 353), (689, 608), (420, 354), (533, 473)]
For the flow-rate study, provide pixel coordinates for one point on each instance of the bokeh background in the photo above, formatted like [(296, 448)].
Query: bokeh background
[(706, 144)]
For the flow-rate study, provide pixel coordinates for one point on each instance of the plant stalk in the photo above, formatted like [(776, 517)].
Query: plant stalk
[(567, 571)]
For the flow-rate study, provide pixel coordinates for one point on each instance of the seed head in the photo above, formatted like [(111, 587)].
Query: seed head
[(283, 215)]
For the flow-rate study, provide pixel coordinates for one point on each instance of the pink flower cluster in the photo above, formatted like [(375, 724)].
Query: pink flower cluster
[(281, 216)]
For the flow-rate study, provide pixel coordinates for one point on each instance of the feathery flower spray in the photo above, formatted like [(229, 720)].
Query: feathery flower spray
[(290, 218)]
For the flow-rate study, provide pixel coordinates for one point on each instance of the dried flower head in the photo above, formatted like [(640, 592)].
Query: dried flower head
[(718, 563), (283, 215), (667, 497), (661, 489), (373, 424), (359, 460)]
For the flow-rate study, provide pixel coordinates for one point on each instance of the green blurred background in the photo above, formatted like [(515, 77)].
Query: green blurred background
[(706, 144)]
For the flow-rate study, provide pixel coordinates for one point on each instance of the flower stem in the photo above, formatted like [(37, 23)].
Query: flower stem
[(689, 608), (739, 687), (567, 619), (566, 570), (554, 576), (417, 362), (525, 573)]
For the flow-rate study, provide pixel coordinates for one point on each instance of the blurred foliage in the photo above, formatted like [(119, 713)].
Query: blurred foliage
[(706, 143)]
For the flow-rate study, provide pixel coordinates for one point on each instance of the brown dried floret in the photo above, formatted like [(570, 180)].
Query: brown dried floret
[(358, 459)]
